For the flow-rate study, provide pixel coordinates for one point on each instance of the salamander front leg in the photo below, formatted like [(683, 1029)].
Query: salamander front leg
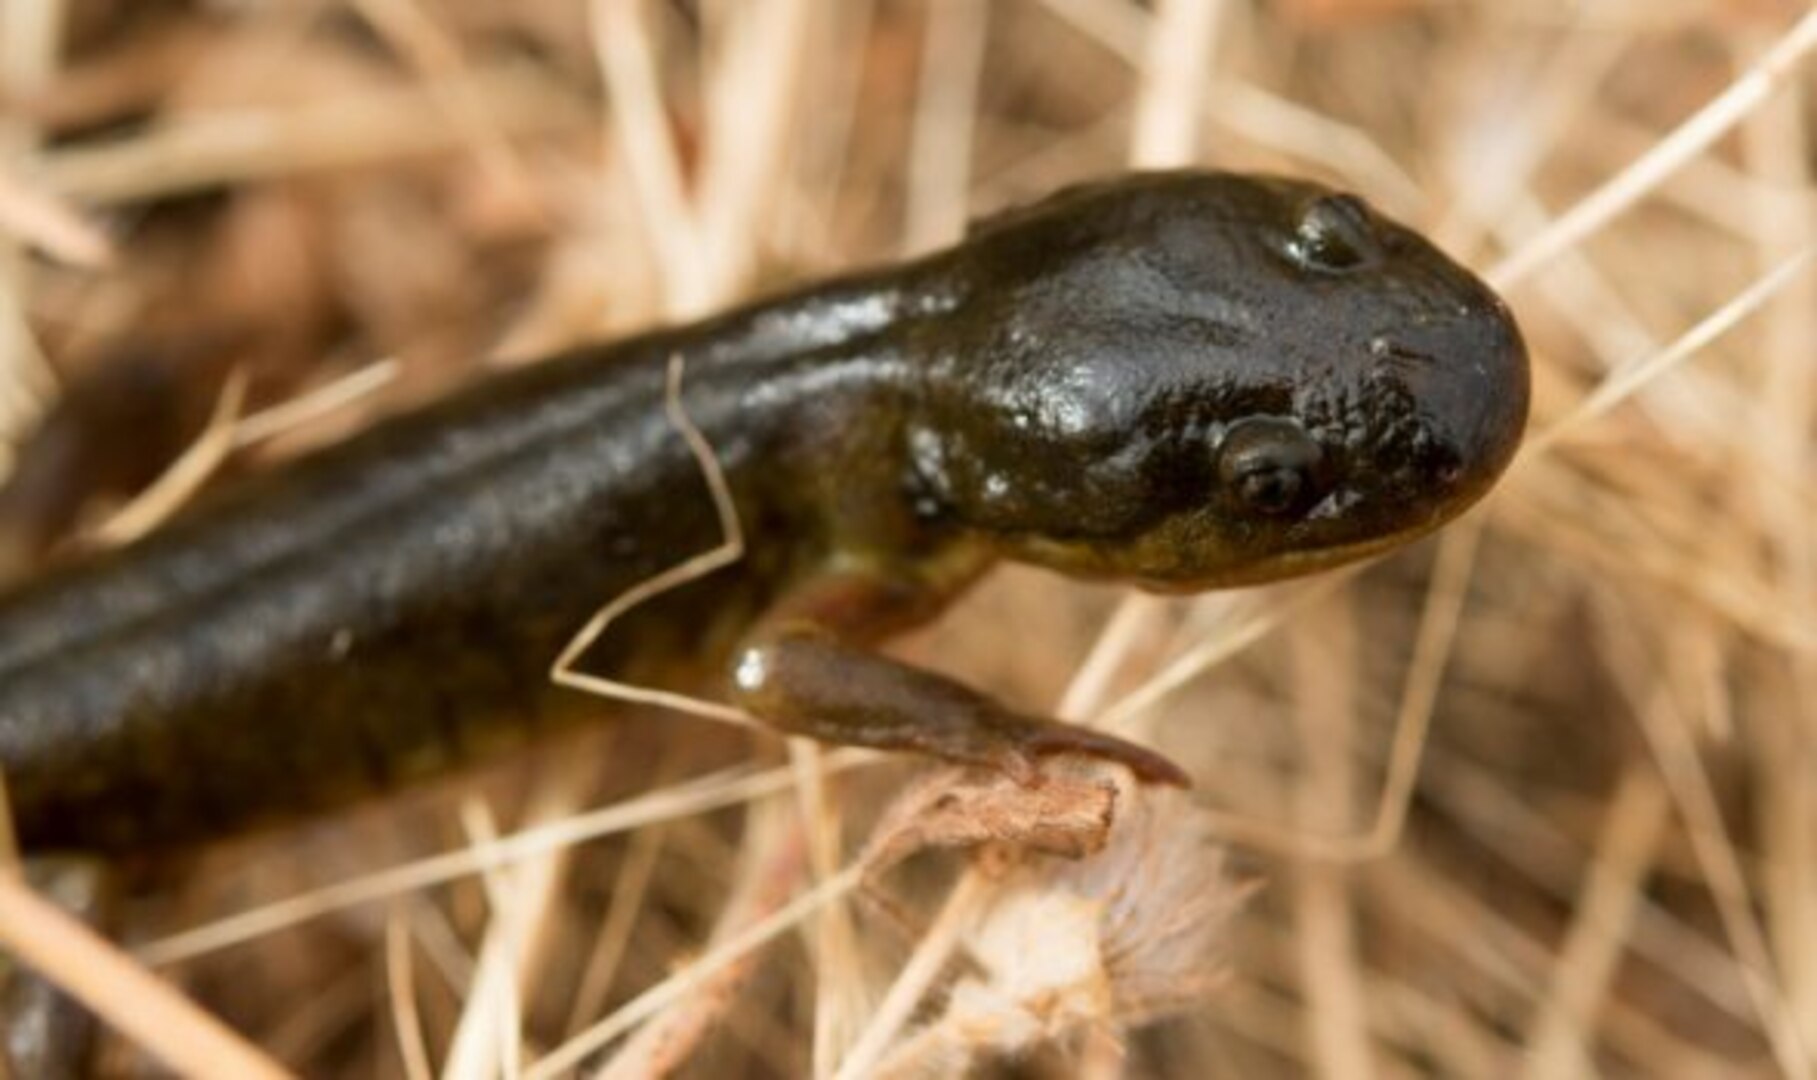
[(806, 669)]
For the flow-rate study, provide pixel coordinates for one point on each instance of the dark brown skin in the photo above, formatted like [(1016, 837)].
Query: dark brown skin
[(1185, 381)]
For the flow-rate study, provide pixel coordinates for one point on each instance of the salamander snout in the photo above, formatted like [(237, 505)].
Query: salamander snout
[(1446, 402)]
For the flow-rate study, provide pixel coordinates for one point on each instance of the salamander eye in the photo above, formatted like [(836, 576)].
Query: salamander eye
[(1269, 466), (1334, 233)]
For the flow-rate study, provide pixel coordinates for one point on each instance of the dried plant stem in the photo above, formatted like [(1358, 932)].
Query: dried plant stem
[(415, 34), (226, 432), (675, 988), (1557, 1048), (703, 794), (1622, 383), (400, 980), (511, 952), (178, 484), (1692, 138), (1778, 147), (1251, 112), (1669, 737), (727, 552), (486, 1038), (1524, 838), (629, 892), (1182, 39), (625, 50), (770, 869), (10, 859), (940, 154), (51, 224), (139, 1005), (330, 397), (836, 957), (916, 977), (1323, 648), (752, 99), (222, 150)]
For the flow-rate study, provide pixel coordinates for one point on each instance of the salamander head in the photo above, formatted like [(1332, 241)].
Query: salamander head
[(1192, 380)]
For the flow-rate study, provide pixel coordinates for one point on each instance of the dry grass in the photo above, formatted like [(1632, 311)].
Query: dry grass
[(1540, 795)]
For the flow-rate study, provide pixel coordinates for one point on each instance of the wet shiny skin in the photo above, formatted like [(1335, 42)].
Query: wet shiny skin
[(1185, 381)]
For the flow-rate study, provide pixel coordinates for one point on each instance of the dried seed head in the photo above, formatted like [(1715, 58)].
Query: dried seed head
[(1116, 939)]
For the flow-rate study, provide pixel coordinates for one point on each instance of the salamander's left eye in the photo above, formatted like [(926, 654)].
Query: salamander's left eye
[(1333, 234), (1270, 466)]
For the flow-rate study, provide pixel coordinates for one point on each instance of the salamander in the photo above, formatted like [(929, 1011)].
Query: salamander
[(1184, 381)]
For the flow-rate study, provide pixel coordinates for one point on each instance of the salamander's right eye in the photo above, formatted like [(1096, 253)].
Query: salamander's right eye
[(1334, 234), (1270, 466)]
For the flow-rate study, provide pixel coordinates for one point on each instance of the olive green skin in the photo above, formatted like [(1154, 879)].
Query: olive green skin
[(1081, 384)]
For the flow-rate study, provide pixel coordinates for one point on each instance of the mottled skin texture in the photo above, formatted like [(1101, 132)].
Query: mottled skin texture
[(1182, 380)]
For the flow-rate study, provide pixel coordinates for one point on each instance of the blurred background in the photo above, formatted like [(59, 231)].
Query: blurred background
[(1535, 796)]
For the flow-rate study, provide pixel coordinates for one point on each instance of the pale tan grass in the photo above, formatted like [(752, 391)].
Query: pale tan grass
[(1251, 112), (224, 149), (940, 149), (1625, 381), (666, 993), (485, 1042), (1778, 152), (699, 795), (178, 485), (752, 98), (770, 868), (1177, 61), (1323, 649), (400, 985), (1670, 739), (437, 58), (141, 1006), (11, 861), (625, 50), (227, 431), (51, 225), (1444, 607), (30, 32), (448, 956), (1695, 135), (1492, 159), (306, 408), (514, 950), (26, 382), (630, 890), (1507, 962), (1604, 913), (839, 1001), (1551, 857), (1713, 190)]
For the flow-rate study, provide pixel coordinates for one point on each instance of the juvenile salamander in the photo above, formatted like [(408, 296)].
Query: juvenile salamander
[(1181, 380)]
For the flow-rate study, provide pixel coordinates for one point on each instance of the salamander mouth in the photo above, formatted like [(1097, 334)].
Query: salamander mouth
[(1309, 560), (1158, 562), (1286, 564)]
